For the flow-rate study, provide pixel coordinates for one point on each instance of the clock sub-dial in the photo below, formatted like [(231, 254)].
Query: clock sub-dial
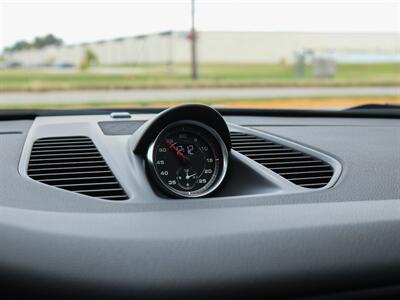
[(186, 178), (188, 159)]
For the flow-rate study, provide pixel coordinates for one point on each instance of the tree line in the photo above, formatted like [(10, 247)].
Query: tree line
[(37, 43)]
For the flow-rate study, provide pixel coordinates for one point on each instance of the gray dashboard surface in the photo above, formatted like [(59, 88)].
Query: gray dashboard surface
[(364, 151), (120, 127), (339, 238)]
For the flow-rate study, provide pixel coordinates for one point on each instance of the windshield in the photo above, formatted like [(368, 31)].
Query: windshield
[(255, 54)]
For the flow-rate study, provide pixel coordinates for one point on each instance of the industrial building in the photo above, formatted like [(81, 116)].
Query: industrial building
[(214, 47)]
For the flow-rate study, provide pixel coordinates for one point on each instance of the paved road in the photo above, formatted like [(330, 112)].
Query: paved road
[(190, 94)]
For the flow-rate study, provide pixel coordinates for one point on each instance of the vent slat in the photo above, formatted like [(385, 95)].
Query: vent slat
[(305, 172), (57, 181), (299, 168), (74, 164), (102, 195), (72, 154), (265, 151), (63, 139), (308, 179), (313, 167), (93, 161), (240, 140), (251, 143), (282, 158), (72, 174), (294, 163), (80, 185), (62, 144), (269, 155), (66, 158), (60, 165), (98, 190), (62, 169), (68, 150), (114, 198), (314, 185), (258, 147)]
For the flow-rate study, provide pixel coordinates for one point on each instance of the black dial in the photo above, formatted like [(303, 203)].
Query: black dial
[(188, 159)]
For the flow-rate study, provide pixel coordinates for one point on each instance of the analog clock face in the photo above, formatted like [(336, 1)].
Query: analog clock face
[(188, 159)]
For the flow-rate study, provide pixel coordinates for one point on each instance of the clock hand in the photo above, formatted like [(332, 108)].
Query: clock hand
[(189, 176), (177, 151)]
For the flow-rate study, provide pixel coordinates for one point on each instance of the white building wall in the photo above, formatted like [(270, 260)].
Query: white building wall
[(181, 47), (213, 47), (256, 47)]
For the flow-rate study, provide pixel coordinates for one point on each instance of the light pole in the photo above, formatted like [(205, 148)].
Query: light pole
[(194, 40)]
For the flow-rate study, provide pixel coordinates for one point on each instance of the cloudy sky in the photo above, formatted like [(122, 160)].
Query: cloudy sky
[(81, 21)]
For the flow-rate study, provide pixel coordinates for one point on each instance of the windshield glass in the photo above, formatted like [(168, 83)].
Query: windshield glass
[(259, 54)]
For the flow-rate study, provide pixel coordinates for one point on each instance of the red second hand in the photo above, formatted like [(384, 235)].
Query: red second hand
[(177, 151)]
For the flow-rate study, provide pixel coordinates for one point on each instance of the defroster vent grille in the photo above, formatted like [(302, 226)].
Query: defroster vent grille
[(300, 168), (73, 163)]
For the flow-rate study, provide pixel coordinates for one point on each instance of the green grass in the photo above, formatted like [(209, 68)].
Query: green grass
[(281, 102), (178, 76)]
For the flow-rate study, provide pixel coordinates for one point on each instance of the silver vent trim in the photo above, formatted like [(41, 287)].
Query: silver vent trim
[(300, 168), (73, 163)]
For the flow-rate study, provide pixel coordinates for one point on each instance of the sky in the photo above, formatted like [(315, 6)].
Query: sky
[(89, 20)]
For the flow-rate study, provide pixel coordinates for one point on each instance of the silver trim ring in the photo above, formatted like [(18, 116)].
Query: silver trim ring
[(224, 152)]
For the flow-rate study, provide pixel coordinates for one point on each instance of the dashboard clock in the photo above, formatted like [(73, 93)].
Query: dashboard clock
[(188, 159)]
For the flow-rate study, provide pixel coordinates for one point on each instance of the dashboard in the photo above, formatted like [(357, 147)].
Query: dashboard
[(197, 202)]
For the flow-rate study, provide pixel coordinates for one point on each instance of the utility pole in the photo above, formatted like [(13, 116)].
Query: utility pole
[(193, 39)]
